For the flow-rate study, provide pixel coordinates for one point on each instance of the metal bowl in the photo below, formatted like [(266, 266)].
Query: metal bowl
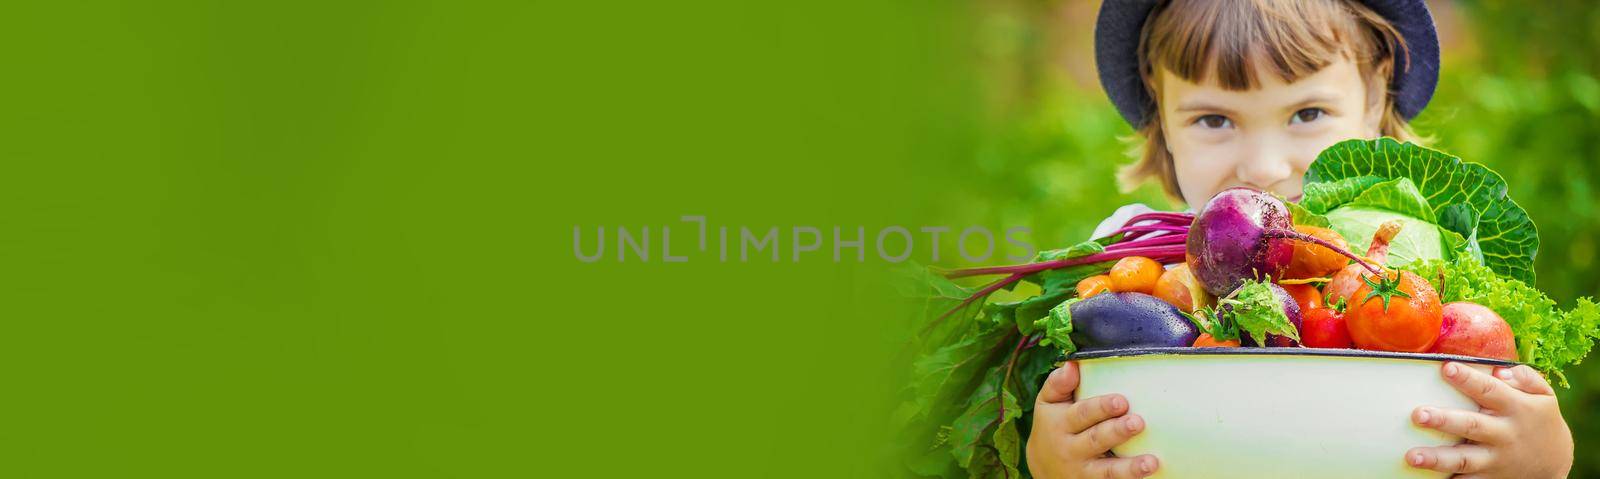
[(1297, 413)]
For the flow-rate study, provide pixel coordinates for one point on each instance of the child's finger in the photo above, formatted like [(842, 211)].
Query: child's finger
[(1468, 424), (1086, 413), (1122, 467), (1102, 437), (1060, 385), (1525, 379), (1458, 459), (1484, 389)]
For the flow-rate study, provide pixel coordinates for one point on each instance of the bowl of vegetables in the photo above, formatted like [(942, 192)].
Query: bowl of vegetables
[(1256, 336), (1270, 412)]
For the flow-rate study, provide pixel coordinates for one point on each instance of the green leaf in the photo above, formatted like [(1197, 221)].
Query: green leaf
[(1258, 311), (1461, 219), (1029, 311), (1399, 195), (1007, 441), (1056, 285), (1033, 367), (990, 407), (1057, 326), (950, 371), (1302, 216), (1506, 238), (930, 295), (1214, 323), (1322, 197), (1081, 249)]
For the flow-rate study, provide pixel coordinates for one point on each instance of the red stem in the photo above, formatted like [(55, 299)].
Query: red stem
[(986, 291), (1177, 219), (1164, 249), (1296, 235), (1156, 241), (1135, 232), (1153, 252)]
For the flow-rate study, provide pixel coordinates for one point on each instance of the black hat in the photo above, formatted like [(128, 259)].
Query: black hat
[(1116, 52)]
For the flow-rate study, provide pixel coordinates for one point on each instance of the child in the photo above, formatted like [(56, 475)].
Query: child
[(1247, 92)]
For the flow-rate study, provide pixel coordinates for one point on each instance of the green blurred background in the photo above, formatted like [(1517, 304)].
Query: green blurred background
[(1519, 92)]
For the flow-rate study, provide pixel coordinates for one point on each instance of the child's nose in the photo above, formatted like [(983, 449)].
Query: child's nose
[(1265, 166)]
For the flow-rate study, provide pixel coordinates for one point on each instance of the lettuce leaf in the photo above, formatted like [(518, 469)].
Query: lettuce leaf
[(1548, 338), (1466, 199)]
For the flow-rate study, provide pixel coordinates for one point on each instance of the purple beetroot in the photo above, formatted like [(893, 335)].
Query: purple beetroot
[(1243, 234), (1229, 241)]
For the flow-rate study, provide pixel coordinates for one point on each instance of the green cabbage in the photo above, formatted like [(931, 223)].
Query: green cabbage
[(1465, 203)]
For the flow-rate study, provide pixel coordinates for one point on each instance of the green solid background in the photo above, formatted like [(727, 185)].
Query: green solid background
[(333, 239)]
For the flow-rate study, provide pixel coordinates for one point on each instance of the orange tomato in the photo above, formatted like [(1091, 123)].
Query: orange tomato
[(1094, 285), (1135, 274), (1313, 260), (1179, 287), (1206, 341)]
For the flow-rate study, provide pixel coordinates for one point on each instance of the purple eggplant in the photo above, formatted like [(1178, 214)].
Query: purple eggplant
[(1129, 320)]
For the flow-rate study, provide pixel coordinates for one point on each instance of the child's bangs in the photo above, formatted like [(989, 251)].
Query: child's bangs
[(1232, 40)]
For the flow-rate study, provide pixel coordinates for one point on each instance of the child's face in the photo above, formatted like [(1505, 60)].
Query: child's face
[(1265, 137)]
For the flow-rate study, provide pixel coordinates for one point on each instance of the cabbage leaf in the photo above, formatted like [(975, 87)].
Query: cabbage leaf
[(1462, 198)]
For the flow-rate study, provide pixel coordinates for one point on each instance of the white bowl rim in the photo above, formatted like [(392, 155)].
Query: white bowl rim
[(1281, 351)]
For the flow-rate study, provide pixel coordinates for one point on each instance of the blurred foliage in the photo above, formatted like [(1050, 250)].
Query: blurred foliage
[(1520, 92)]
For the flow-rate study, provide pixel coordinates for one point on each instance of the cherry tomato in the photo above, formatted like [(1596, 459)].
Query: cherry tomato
[(1206, 341), (1403, 314), (1135, 274), (1305, 295), (1324, 328), (1094, 285)]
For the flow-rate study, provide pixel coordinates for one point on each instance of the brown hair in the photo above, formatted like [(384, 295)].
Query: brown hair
[(1292, 38)]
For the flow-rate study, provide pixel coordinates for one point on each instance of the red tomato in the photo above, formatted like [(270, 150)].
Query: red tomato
[(1324, 328), (1407, 321), (1305, 295)]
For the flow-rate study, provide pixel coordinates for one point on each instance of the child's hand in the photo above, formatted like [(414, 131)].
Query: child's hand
[(1071, 439), (1517, 431)]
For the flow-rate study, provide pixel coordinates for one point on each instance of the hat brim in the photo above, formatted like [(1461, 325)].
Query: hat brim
[(1116, 43)]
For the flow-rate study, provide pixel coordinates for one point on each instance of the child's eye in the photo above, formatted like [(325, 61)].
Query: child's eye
[(1307, 115), (1214, 122)]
